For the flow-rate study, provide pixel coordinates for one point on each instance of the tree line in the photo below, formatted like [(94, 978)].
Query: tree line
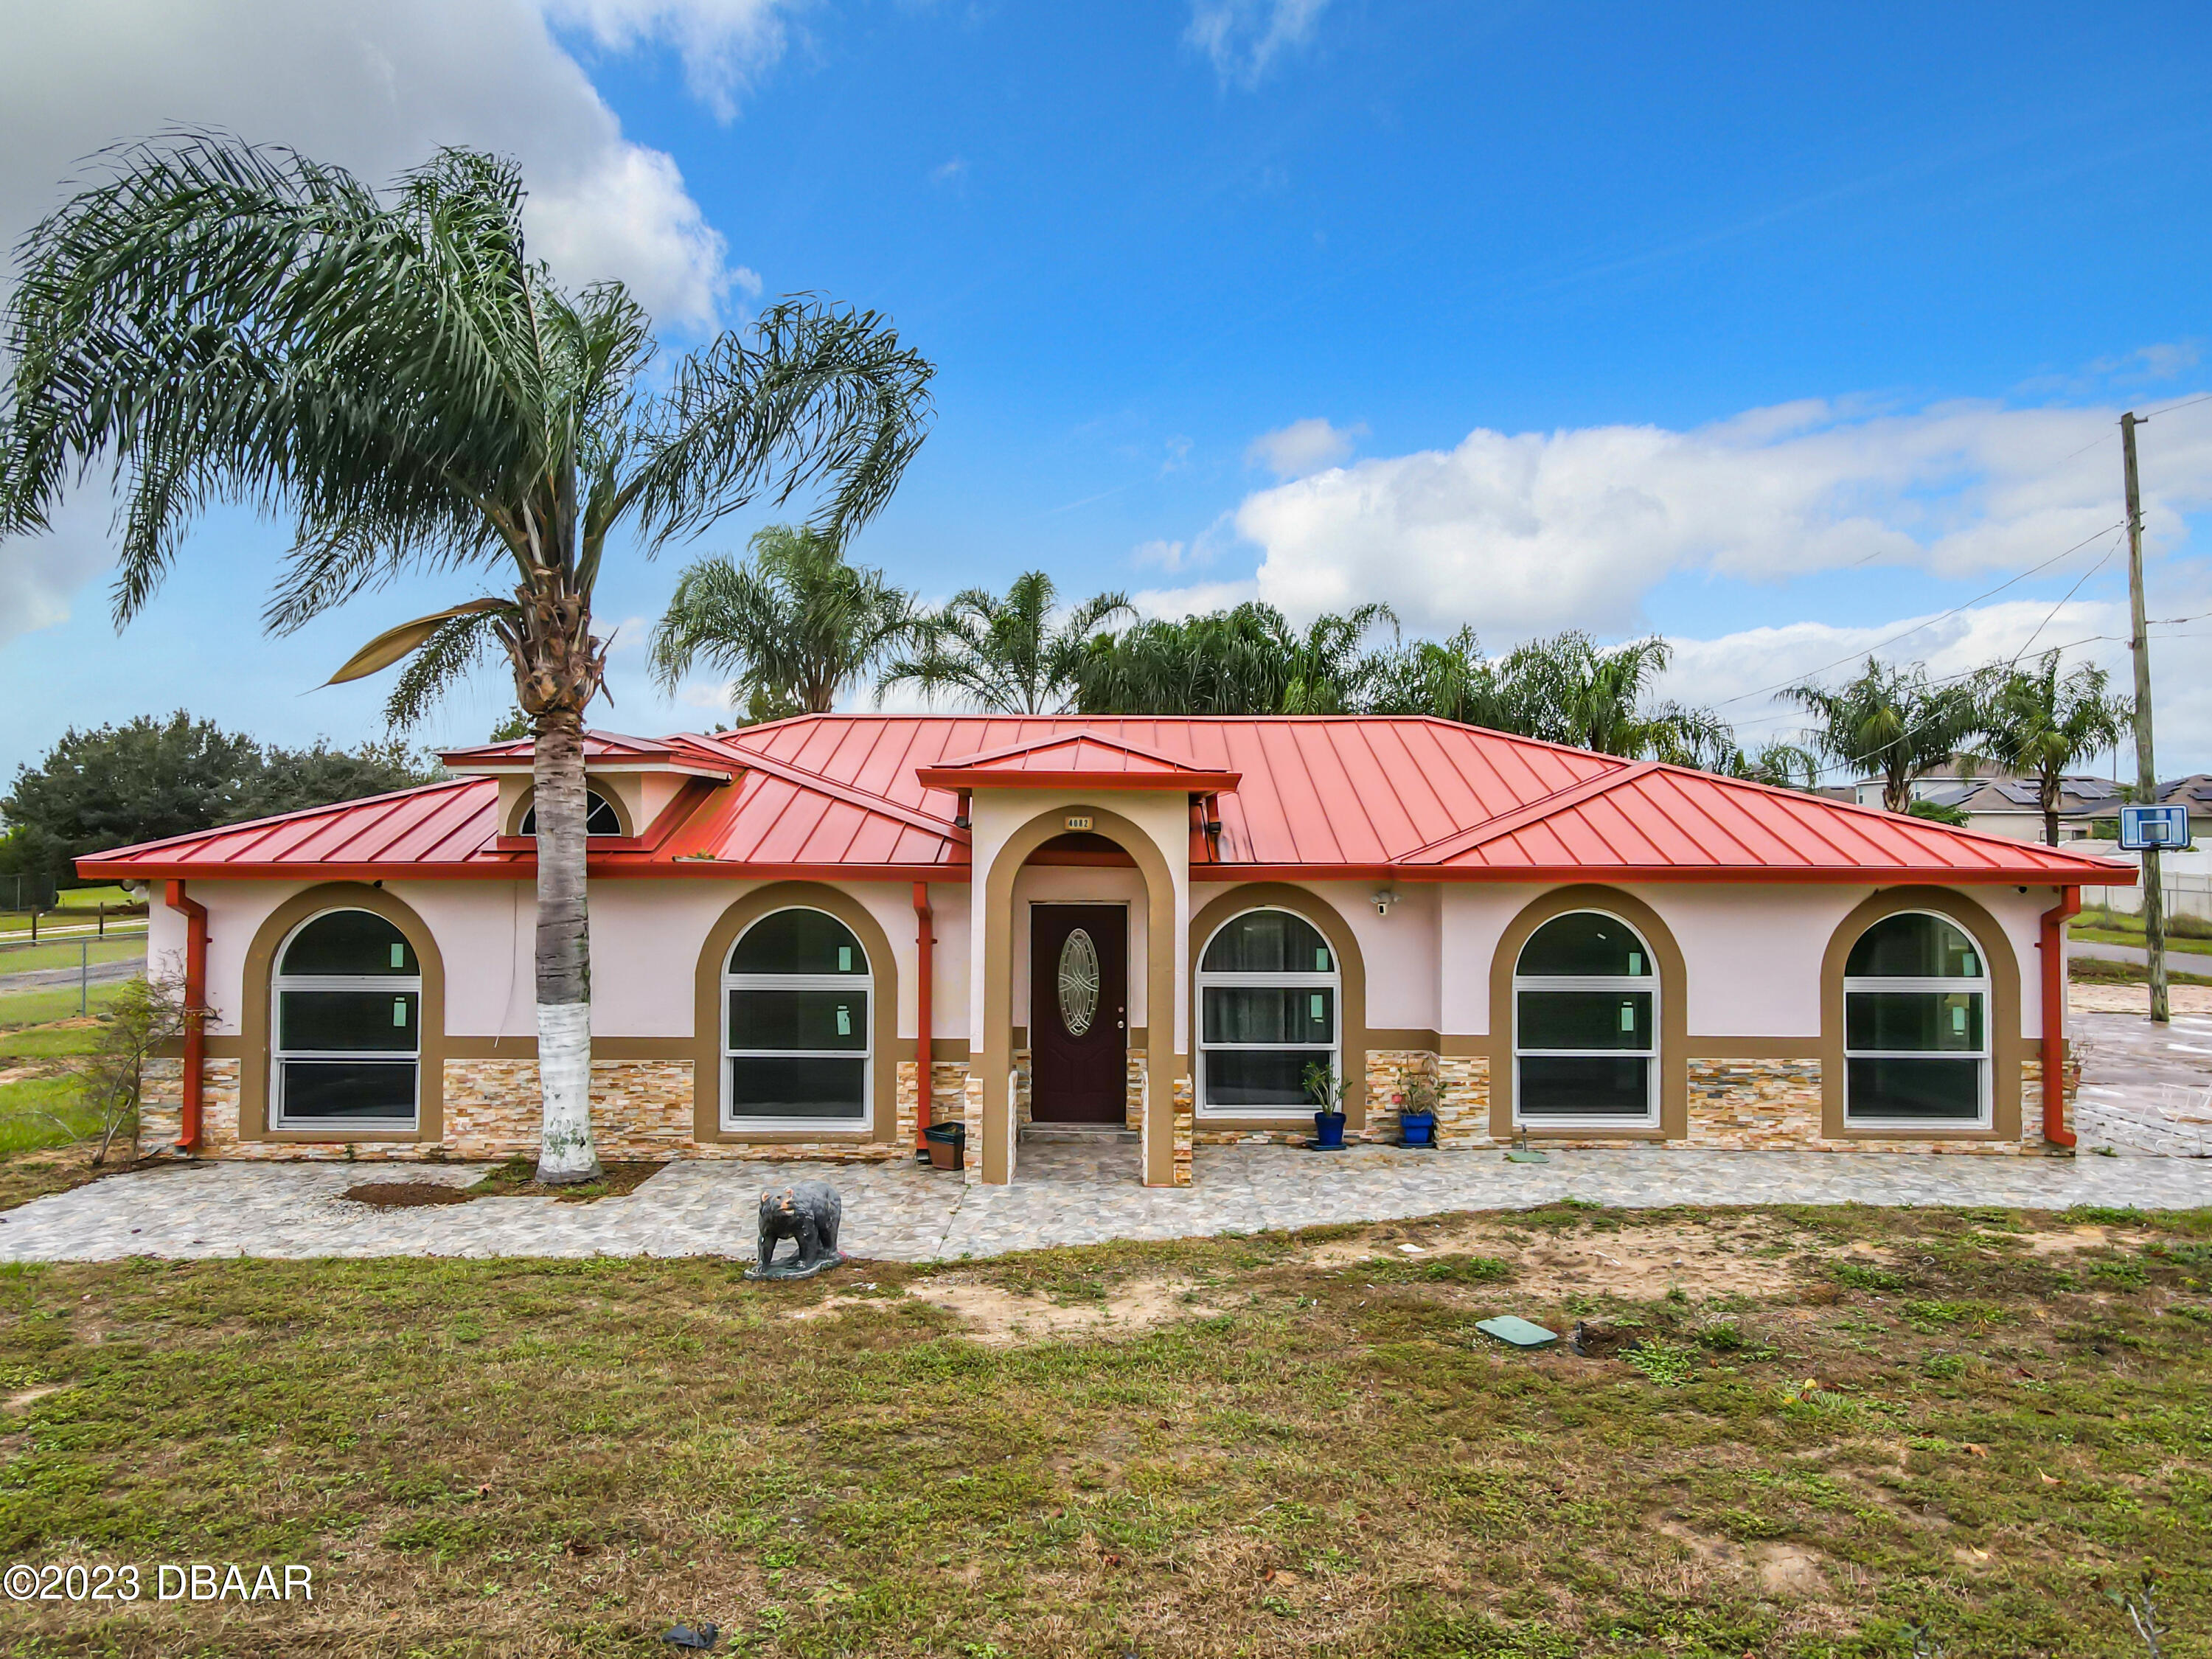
[(115, 786), (797, 628)]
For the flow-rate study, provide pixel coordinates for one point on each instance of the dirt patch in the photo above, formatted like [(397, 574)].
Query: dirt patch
[(517, 1178), (999, 1318), (2066, 1243), (405, 1195), (15, 1403), (1641, 1262), (1787, 1570), (2091, 997)]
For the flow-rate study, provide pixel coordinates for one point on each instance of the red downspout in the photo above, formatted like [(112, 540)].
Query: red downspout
[(196, 1012), (2054, 1017), (924, 938)]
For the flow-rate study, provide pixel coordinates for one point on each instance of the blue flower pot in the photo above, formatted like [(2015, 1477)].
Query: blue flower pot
[(1417, 1128), (1328, 1130)]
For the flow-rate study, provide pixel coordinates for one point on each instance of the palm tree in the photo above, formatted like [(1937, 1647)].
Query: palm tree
[(2034, 724), (797, 623), (1891, 720), (1247, 661), (1569, 689), (1007, 655), (395, 374), (1782, 765), (1449, 678)]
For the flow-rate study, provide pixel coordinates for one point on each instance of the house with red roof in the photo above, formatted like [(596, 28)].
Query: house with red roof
[(819, 937)]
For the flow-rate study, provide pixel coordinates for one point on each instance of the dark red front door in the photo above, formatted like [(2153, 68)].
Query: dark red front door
[(1078, 1013)]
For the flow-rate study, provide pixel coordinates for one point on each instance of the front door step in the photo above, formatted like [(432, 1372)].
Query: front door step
[(1088, 1134)]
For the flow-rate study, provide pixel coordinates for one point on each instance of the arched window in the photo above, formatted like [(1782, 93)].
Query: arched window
[(1585, 1025), (1915, 1025), (349, 1023), (1268, 994), (795, 1027), (600, 818)]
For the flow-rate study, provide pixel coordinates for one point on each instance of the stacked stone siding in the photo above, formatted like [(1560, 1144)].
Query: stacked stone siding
[(947, 1079), (1185, 1116), (971, 1118), (1385, 1076), (1463, 1101), (1750, 1104), (1134, 1107), (1022, 1075), (640, 1109)]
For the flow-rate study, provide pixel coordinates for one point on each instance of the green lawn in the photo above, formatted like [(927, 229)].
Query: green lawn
[(78, 905), (19, 1009), (1839, 1425)]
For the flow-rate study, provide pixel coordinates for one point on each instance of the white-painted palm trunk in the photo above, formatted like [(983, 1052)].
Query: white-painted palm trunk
[(564, 1069)]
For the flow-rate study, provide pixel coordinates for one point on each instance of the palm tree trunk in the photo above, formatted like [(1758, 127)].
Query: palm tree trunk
[(565, 1151)]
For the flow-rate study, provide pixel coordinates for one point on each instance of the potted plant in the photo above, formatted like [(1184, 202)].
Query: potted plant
[(1416, 1100), (1327, 1087)]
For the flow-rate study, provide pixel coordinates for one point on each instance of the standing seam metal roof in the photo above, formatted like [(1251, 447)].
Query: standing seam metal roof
[(842, 794)]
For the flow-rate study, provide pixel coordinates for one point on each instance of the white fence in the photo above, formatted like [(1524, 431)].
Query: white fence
[(2185, 878)]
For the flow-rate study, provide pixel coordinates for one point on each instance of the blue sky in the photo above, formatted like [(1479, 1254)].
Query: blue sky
[(1779, 330)]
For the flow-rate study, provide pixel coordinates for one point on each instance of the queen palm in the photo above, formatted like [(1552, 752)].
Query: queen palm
[(1569, 689), (395, 375), (1246, 660), (797, 624), (1889, 720), (1007, 655), (2036, 725)]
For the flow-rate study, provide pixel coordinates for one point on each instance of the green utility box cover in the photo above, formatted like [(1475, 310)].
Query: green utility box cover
[(1519, 1332), (1526, 1155)]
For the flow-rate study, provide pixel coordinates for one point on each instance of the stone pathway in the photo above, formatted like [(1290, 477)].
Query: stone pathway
[(2145, 1088), (1063, 1195)]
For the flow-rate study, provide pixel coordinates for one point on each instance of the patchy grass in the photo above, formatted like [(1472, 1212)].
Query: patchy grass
[(43, 1122), (1311, 1452), (70, 951), (2097, 970), (52, 1006)]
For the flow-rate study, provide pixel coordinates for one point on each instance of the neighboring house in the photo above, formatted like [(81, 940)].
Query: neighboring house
[(1998, 803), (2195, 792), (811, 936)]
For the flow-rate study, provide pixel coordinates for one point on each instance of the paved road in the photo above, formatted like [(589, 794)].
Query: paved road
[(2182, 961), (101, 973)]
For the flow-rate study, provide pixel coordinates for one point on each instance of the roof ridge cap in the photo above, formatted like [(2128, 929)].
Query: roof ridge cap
[(851, 793)]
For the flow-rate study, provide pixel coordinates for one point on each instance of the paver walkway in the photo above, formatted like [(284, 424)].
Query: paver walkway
[(1063, 1195)]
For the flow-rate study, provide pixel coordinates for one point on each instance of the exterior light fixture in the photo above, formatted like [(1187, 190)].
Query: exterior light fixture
[(1384, 898)]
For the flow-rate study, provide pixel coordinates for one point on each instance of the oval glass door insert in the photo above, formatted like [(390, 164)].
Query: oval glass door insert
[(1078, 982)]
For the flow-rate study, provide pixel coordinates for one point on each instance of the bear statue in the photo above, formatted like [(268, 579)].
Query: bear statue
[(808, 1213)]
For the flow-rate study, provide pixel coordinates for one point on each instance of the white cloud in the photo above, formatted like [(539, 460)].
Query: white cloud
[(1302, 447), (1243, 38), (1533, 532), (949, 172), (375, 89), (1168, 556), (725, 44), (1737, 672), (1171, 603)]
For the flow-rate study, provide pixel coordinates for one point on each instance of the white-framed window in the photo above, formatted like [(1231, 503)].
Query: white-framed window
[(1585, 1025), (1916, 1025), (1269, 995), (600, 818), (346, 1022), (797, 1036)]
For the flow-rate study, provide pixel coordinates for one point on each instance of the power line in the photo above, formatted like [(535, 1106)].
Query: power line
[(1918, 626), (2170, 408)]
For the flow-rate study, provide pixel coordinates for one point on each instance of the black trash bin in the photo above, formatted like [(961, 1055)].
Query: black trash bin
[(948, 1144)]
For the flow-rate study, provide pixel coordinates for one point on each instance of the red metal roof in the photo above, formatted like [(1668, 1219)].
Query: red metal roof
[(1075, 760), (610, 750), (868, 796)]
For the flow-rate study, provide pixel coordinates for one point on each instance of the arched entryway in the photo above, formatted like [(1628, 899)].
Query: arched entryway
[(1078, 989)]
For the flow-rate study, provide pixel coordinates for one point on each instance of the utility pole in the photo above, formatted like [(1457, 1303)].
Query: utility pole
[(2145, 768)]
